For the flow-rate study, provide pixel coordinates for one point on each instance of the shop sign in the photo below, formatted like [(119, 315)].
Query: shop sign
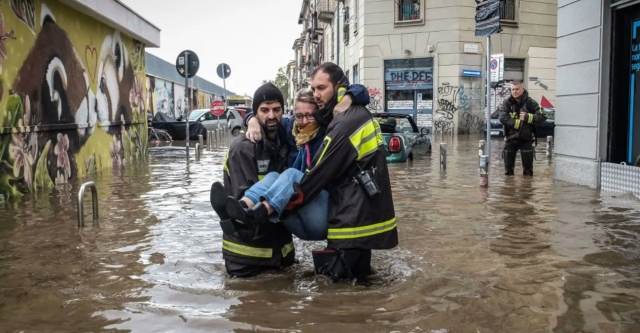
[(409, 74)]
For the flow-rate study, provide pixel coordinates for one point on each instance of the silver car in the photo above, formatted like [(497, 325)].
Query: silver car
[(231, 119)]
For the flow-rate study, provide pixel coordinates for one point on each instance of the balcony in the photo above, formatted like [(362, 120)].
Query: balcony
[(326, 10)]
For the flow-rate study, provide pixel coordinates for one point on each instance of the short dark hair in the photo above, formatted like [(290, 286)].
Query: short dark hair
[(516, 83), (336, 75)]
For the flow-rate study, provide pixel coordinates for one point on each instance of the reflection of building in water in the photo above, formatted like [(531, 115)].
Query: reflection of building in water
[(598, 107), (403, 52)]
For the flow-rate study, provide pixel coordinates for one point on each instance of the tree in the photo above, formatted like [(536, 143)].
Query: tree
[(282, 82)]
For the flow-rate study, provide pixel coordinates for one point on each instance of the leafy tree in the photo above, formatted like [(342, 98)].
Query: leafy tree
[(282, 82)]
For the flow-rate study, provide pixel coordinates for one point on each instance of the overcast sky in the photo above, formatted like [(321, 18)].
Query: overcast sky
[(254, 37)]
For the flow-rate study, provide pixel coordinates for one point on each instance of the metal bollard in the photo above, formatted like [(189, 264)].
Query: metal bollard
[(197, 151), (482, 148), (443, 157), (484, 171), (201, 140), (549, 147), (210, 140), (94, 202)]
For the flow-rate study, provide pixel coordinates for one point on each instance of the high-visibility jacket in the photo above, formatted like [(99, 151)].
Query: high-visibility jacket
[(514, 128), (244, 165), (356, 221)]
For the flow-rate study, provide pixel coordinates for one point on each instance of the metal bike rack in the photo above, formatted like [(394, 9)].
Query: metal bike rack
[(94, 202)]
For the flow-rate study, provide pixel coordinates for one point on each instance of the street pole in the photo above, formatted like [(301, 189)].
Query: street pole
[(188, 97), (484, 165), (224, 87)]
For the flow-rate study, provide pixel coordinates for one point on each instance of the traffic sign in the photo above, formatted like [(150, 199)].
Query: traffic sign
[(224, 71), (471, 73), (194, 63), (217, 108)]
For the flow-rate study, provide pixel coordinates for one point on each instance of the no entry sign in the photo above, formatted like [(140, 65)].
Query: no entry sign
[(217, 108)]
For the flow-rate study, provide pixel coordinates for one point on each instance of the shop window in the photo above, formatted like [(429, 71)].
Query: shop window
[(424, 99), (408, 11), (400, 99), (509, 11)]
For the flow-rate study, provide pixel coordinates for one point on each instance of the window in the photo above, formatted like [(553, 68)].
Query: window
[(513, 69), (408, 11), (346, 73), (354, 19), (356, 75), (345, 29), (400, 99), (508, 11)]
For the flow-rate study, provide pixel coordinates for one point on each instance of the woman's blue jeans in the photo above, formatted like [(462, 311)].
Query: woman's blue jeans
[(310, 222)]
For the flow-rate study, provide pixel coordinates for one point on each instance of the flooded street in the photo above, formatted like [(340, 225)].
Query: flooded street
[(525, 255)]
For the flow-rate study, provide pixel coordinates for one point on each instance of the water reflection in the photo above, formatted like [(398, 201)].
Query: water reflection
[(525, 255)]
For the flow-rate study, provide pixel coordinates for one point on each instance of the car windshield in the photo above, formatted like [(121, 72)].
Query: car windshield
[(195, 114), (402, 124)]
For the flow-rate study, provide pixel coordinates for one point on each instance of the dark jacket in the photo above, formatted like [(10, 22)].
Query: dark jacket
[(510, 117), (357, 221), (244, 165), (360, 96)]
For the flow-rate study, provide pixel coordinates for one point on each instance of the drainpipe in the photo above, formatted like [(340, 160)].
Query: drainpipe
[(338, 33)]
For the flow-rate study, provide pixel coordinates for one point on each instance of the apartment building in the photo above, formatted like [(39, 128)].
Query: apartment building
[(422, 57)]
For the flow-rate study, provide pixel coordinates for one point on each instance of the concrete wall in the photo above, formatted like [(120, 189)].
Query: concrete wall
[(580, 91), (71, 97)]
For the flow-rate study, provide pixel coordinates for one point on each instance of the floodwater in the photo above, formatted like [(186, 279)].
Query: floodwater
[(526, 255)]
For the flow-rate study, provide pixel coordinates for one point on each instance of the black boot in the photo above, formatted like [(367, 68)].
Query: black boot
[(527, 162), (246, 220), (509, 162), (218, 200)]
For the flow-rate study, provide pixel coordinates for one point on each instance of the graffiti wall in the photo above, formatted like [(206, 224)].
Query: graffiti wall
[(71, 96), (376, 104), (462, 105), (178, 97), (164, 97)]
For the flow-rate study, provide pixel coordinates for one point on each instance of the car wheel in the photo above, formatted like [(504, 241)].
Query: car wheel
[(235, 131)]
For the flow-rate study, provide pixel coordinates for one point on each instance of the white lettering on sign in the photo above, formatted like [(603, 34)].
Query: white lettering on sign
[(181, 61)]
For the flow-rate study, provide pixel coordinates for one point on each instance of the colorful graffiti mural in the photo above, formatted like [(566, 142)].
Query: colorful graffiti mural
[(71, 97), (164, 97)]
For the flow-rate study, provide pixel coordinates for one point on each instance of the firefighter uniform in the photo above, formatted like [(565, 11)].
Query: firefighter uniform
[(353, 142), (518, 134), (247, 163)]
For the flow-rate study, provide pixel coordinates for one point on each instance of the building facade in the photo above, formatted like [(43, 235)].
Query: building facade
[(413, 54), (598, 111), (72, 77)]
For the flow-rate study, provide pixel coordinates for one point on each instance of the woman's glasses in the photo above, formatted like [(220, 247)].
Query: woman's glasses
[(309, 117)]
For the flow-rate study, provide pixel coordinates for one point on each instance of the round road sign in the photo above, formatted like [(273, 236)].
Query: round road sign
[(494, 63), (194, 63), (223, 70), (217, 108)]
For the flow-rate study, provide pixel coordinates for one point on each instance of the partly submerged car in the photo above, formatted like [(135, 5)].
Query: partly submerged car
[(402, 138)]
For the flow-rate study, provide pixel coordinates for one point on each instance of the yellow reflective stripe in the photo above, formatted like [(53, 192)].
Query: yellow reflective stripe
[(530, 118), (379, 138), (287, 249), (365, 139), (359, 232), (225, 164), (512, 115), (260, 177), (517, 125), (327, 142), (246, 250)]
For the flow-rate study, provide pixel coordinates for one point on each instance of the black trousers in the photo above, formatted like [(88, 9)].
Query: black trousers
[(511, 148)]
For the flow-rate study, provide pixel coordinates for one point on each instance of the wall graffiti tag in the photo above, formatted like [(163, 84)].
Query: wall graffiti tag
[(376, 99)]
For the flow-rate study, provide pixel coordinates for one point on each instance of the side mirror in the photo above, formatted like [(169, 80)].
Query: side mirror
[(202, 118), (424, 131)]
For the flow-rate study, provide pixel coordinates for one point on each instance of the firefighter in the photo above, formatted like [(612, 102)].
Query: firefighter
[(352, 167), (519, 114), (271, 246)]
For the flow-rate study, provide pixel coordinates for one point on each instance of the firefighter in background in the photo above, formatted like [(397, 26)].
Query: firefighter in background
[(519, 114)]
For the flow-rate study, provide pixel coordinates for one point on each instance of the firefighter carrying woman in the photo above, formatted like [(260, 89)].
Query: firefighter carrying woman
[(322, 175)]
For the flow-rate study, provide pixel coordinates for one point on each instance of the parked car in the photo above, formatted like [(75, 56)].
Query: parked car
[(542, 131), (243, 110), (231, 119), (402, 138)]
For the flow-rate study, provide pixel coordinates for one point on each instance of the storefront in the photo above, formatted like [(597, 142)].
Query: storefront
[(409, 88), (624, 114)]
